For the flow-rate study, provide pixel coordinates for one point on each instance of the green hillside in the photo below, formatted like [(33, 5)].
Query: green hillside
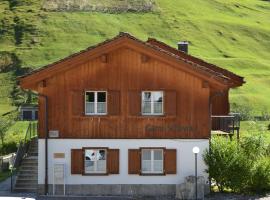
[(233, 34)]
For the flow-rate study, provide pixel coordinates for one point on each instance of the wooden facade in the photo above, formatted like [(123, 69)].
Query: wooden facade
[(124, 68)]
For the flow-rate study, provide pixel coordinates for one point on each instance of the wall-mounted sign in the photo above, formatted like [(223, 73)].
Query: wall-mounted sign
[(54, 133), (59, 155)]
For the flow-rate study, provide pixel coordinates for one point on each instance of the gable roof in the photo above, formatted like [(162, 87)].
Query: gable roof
[(161, 50), (238, 80)]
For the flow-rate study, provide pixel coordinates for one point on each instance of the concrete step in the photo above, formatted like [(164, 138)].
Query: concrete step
[(22, 189), (26, 185), (27, 179), (25, 172), (26, 176), (32, 154), (29, 167)]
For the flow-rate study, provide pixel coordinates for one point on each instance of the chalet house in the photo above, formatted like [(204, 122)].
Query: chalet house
[(122, 117)]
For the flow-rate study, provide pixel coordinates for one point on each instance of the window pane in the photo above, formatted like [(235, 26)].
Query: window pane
[(157, 96), (90, 157), (101, 166), (157, 107), (158, 155), (158, 166), (101, 97), (101, 160), (90, 96), (101, 107), (90, 107), (146, 165), (146, 154), (146, 96), (146, 107), (101, 155)]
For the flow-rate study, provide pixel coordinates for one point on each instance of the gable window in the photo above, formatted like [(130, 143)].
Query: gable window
[(95, 161), (152, 161), (95, 103), (152, 103)]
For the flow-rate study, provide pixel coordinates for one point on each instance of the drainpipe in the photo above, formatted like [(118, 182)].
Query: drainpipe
[(46, 141), (46, 138)]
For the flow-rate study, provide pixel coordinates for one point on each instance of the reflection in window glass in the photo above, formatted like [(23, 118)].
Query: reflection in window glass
[(152, 103), (95, 103), (152, 161), (95, 161)]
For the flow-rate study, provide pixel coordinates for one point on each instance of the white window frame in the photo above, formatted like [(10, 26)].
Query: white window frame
[(95, 162), (95, 102), (152, 161), (152, 103)]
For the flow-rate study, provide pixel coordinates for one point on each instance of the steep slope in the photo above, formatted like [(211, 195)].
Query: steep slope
[(233, 34)]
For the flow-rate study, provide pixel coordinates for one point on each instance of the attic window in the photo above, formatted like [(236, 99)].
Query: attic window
[(96, 103)]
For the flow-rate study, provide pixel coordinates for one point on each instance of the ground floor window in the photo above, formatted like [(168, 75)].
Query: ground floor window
[(95, 161), (152, 161)]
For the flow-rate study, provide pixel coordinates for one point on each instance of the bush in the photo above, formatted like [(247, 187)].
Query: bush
[(7, 148), (260, 178), (243, 167)]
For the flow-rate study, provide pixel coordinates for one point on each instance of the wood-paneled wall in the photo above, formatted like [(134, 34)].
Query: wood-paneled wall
[(124, 71)]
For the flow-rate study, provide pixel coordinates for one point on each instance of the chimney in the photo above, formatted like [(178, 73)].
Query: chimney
[(183, 46)]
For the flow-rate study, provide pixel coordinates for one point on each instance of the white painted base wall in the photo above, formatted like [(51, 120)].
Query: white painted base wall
[(185, 159)]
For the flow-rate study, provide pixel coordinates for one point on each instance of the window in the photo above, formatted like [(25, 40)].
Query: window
[(152, 103), (95, 103), (152, 161), (95, 161)]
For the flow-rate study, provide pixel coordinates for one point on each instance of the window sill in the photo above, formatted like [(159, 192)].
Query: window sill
[(95, 174), (152, 174)]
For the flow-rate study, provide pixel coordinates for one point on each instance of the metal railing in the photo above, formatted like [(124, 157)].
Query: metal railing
[(227, 123), (31, 132)]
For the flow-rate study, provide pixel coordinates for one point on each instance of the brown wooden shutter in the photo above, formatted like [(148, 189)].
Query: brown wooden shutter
[(170, 103), (134, 161), (114, 102), (76, 161), (170, 161), (134, 102), (78, 102), (113, 161)]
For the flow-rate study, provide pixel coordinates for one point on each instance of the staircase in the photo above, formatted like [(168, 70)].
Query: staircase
[(27, 178)]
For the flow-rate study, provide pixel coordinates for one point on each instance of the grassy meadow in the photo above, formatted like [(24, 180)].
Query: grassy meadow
[(233, 34)]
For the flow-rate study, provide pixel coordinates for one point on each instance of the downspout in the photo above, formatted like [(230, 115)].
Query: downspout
[(46, 138), (46, 141)]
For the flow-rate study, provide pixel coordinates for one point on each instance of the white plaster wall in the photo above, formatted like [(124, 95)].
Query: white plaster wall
[(185, 159)]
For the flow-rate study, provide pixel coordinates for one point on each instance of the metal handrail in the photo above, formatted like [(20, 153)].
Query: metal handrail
[(23, 148)]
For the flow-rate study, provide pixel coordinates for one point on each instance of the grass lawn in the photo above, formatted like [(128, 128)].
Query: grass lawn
[(248, 128), (16, 132), (4, 175), (233, 34)]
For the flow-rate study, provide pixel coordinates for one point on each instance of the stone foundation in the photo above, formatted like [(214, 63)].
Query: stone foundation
[(182, 191), (113, 190)]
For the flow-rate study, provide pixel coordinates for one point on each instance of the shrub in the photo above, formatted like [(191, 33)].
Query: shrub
[(260, 178), (243, 167), (227, 166), (7, 148)]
